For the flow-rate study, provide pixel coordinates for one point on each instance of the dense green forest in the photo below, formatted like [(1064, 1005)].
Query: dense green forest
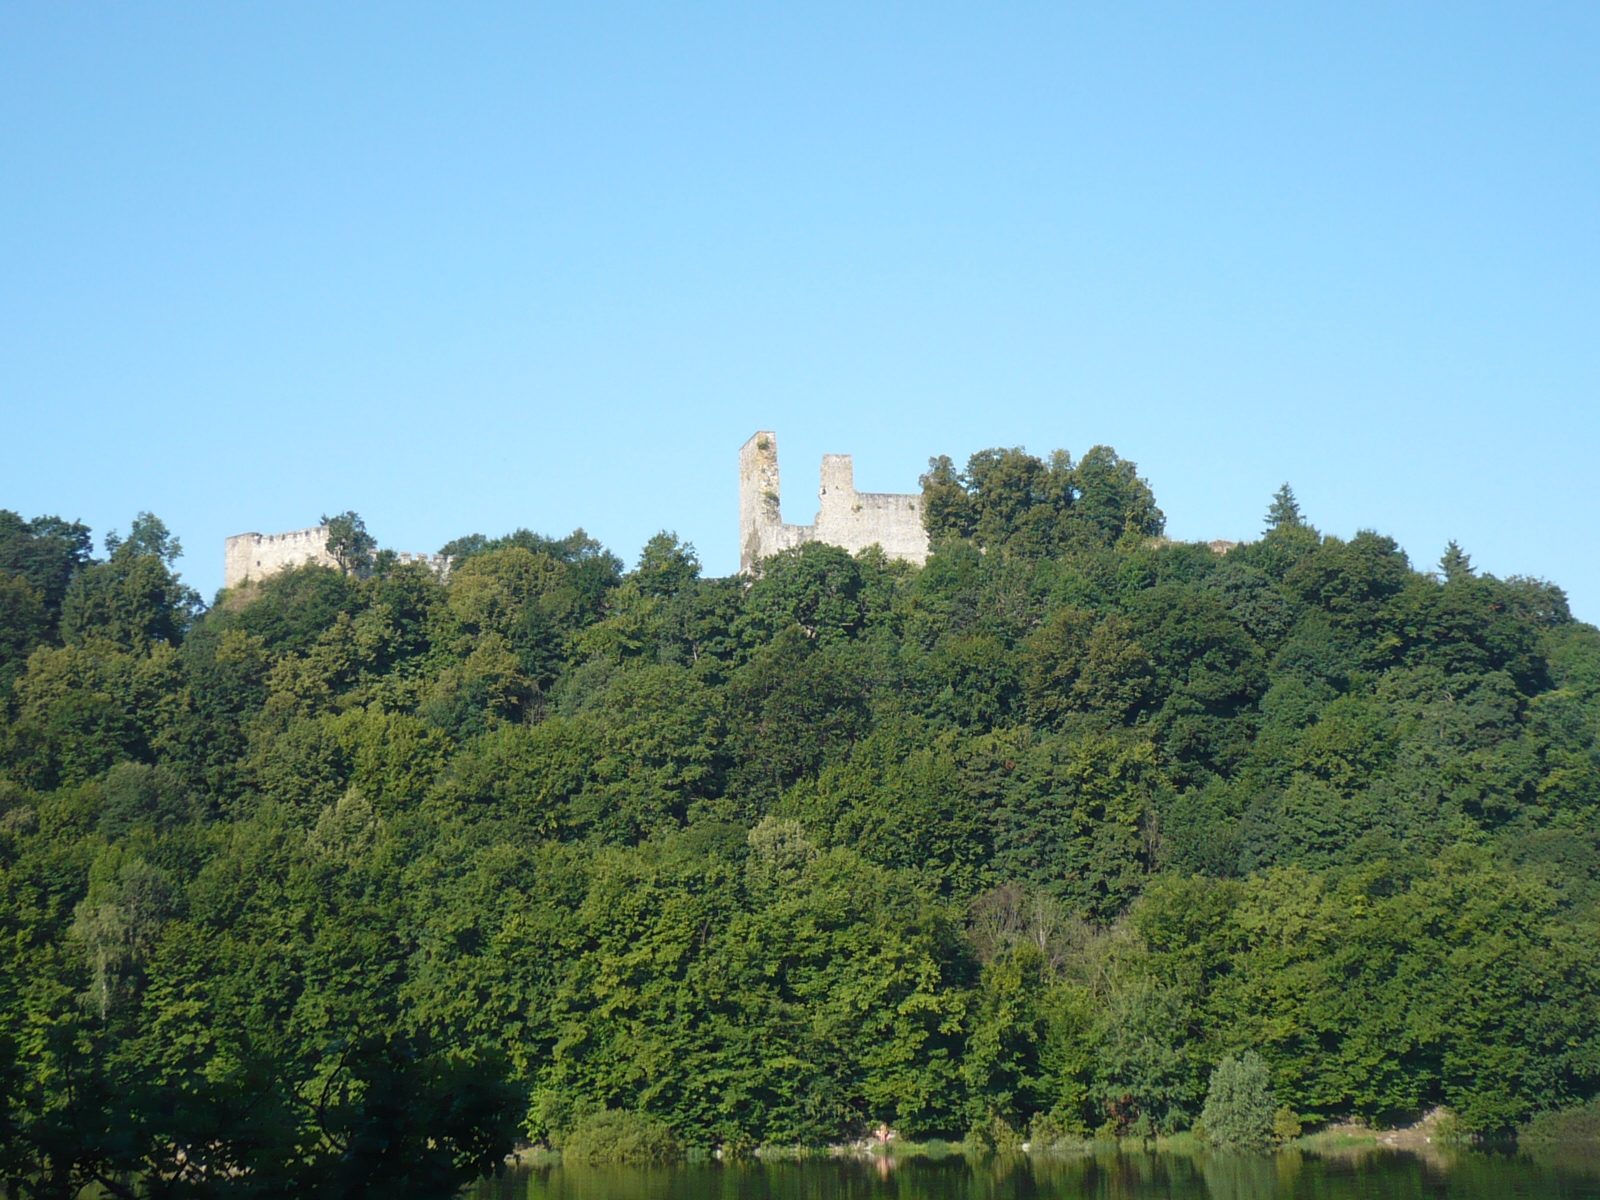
[(356, 876)]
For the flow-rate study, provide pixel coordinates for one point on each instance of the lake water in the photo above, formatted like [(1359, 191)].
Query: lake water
[(1114, 1176)]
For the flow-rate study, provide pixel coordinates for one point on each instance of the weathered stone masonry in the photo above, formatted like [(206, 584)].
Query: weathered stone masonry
[(249, 556), (257, 555), (847, 518)]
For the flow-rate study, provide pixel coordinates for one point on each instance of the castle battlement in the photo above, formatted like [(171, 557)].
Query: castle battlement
[(847, 518), (248, 556)]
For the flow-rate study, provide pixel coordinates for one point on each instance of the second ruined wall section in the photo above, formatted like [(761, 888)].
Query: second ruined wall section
[(847, 518), (248, 556), (856, 520)]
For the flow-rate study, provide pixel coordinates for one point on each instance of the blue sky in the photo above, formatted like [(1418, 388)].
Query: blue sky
[(472, 267)]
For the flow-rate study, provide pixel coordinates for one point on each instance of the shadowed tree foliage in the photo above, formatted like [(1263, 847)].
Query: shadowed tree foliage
[(46, 553)]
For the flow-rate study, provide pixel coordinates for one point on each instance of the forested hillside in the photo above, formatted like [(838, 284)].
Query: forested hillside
[(365, 870)]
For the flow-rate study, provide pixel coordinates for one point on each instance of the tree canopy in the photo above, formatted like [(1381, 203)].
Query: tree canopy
[(365, 872)]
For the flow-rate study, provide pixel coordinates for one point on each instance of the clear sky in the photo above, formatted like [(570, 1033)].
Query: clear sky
[(468, 267)]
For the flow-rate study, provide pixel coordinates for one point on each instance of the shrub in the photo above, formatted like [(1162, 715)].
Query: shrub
[(1004, 1138), (1285, 1124), (1239, 1112), (994, 1136), (1049, 1130), (613, 1136), (1578, 1124)]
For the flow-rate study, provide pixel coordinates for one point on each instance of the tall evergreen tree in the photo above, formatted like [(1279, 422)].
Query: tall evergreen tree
[(1285, 509), (1456, 563)]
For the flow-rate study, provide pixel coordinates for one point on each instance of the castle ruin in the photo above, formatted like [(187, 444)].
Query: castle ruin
[(254, 556), (847, 518)]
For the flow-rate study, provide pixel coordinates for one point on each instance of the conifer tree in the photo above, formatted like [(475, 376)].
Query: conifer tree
[(1285, 509), (1456, 563)]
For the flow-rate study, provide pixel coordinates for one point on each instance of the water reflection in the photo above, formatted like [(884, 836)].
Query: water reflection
[(1369, 1175)]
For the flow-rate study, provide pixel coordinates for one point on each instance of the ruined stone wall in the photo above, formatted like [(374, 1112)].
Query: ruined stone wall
[(256, 555), (847, 518), (439, 564)]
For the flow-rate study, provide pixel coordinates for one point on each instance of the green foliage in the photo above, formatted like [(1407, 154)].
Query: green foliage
[(135, 796), (1143, 1067), (666, 565), (1011, 499), (1240, 1112), (349, 543), (46, 553), (815, 588), (22, 626), (80, 709), (1565, 1126), (592, 570), (1070, 815), (134, 601), (1455, 565), (148, 537), (616, 1138), (357, 877), (1285, 509)]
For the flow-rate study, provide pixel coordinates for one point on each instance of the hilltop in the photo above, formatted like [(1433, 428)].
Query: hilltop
[(1023, 841)]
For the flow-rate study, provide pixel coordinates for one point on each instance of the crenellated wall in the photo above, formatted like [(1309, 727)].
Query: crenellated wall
[(257, 555), (439, 564), (249, 556), (845, 517)]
